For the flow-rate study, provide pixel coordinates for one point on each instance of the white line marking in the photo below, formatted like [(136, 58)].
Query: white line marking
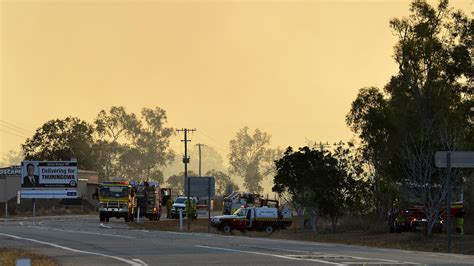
[(81, 232), (266, 254), (130, 262), (106, 226), (140, 261)]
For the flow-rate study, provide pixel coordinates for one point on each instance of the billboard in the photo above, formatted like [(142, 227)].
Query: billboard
[(49, 179)]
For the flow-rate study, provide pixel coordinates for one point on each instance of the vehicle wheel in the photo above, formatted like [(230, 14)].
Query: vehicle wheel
[(268, 229), (226, 228)]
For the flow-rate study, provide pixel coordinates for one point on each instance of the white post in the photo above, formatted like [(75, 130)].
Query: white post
[(6, 197), (180, 219), (138, 215)]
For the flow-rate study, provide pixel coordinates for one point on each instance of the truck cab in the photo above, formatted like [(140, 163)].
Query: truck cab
[(116, 199)]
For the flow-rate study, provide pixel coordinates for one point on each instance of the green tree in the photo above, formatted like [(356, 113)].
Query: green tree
[(133, 148), (425, 105), (251, 158), (321, 182), (62, 139)]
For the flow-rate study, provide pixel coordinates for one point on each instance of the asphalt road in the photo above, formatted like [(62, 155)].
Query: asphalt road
[(82, 240)]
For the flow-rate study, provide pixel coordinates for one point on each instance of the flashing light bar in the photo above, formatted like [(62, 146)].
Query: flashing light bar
[(116, 183)]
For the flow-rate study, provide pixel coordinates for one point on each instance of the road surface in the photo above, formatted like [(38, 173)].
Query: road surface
[(82, 240)]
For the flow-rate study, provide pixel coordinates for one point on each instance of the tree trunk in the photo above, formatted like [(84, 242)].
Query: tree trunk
[(313, 219), (300, 212), (334, 224)]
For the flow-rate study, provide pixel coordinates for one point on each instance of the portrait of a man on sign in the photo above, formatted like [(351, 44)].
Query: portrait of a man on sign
[(30, 178)]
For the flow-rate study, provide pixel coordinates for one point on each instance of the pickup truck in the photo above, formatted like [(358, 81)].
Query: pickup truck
[(254, 218)]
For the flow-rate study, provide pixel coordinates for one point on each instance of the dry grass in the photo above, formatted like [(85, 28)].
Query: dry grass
[(9, 256), (407, 241)]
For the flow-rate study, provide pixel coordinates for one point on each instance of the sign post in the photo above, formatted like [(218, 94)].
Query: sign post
[(6, 197), (209, 204), (452, 159)]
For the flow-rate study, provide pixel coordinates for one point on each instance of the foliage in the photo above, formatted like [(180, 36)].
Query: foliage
[(318, 180), (120, 145), (425, 106), (251, 158), (62, 139)]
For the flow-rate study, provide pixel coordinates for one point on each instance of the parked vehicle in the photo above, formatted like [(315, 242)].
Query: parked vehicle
[(267, 219), (149, 200), (116, 199), (180, 203), (413, 218)]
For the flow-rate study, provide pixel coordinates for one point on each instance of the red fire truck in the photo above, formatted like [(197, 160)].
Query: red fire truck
[(413, 218)]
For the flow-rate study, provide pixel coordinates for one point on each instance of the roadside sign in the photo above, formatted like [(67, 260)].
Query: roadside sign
[(459, 159), (200, 185), (49, 179)]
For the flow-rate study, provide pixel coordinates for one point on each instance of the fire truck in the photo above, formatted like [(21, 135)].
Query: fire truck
[(150, 198), (265, 218), (116, 199), (413, 218)]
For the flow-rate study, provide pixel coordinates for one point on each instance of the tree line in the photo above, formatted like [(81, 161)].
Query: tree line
[(425, 107), (123, 145)]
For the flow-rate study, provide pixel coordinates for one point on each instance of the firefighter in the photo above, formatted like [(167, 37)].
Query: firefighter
[(459, 221), (169, 205), (194, 210)]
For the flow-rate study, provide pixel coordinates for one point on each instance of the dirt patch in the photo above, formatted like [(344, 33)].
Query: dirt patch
[(10, 256), (407, 240)]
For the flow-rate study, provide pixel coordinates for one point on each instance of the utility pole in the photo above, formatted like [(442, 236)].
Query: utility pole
[(199, 146), (186, 161)]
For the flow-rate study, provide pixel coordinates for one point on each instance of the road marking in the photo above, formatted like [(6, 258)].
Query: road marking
[(81, 232), (105, 226), (130, 262), (266, 254), (140, 261)]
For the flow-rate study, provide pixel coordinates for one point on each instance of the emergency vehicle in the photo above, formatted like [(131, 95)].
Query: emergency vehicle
[(414, 219), (116, 199), (264, 218)]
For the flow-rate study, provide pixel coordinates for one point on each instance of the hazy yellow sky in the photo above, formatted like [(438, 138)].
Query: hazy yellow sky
[(290, 68)]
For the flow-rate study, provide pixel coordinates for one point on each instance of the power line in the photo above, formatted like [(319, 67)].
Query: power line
[(14, 130), (209, 137), (23, 137), (18, 128)]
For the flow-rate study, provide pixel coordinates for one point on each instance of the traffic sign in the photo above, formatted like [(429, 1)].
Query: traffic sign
[(459, 159), (200, 186)]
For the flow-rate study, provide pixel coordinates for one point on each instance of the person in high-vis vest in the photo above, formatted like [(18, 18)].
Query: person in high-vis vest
[(459, 221)]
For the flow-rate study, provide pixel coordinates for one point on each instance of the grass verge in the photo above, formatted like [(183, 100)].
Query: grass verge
[(9, 257)]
